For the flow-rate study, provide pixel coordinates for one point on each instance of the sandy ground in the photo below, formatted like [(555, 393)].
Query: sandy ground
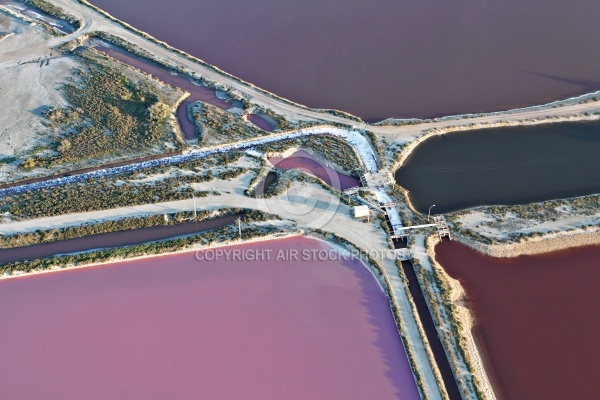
[(488, 226), (572, 227), (5, 24), (26, 89), (545, 244)]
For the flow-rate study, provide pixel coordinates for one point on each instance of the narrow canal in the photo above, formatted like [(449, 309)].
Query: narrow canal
[(428, 324), (198, 92), (28, 10), (110, 240)]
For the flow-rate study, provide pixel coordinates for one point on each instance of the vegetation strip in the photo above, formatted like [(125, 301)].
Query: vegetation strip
[(144, 186), (205, 238), (215, 150)]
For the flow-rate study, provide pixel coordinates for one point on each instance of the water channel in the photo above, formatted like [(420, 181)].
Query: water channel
[(110, 240), (198, 92), (301, 160)]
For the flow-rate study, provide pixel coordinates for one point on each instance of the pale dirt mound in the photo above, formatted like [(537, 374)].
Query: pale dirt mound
[(27, 89), (5, 23)]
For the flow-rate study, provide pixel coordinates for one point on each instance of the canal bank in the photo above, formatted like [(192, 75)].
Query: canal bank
[(111, 240), (540, 245), (438, 353), (454, 323)]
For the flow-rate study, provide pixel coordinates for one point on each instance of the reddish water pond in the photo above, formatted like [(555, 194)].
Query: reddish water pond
[(176, 328), (384, 58), (303, 161), (536, 319)]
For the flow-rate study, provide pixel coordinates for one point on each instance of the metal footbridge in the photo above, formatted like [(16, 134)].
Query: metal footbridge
[(439, 222)]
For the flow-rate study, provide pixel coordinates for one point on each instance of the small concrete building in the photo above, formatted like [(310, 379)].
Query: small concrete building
[(254, 153), (361, 211)]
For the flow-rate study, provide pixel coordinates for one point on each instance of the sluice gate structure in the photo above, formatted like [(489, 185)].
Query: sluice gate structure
[(374, 183)]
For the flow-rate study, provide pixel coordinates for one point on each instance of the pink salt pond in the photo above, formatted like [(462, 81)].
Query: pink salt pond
[(176, 328), (261, 122)]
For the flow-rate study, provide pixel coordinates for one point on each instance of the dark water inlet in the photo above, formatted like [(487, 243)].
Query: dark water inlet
[(260, 122), (429, 326), (536, 319), (263, 186), (416, 293), (513, 165), (109, 240)]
